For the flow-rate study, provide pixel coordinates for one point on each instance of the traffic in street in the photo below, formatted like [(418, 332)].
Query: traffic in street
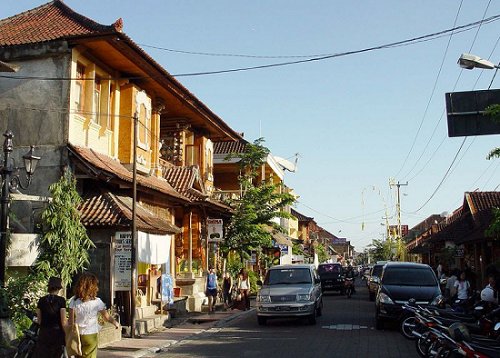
[(345, 328)]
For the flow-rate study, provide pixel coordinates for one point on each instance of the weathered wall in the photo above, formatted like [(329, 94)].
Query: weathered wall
[(35, 108)]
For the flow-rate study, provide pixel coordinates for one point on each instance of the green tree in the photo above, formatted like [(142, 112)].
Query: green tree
[(322, 252), (494, 229), (64, 242), (260, 203)]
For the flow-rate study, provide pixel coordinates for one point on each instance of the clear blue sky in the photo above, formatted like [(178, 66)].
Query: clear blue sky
[(353, 119)]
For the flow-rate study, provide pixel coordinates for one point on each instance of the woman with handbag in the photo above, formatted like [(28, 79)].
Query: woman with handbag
[(84, 308), (51, 316)]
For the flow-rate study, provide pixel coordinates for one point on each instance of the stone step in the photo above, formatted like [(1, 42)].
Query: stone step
[(149, 324), (146, 311), (109, 334)]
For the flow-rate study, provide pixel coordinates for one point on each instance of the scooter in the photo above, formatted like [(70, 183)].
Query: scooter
[(349, 286), (26, 346)]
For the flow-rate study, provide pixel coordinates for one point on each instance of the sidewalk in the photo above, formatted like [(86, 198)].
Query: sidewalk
[(178, 329)]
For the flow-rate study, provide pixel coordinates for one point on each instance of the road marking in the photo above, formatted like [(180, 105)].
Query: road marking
[(344, 327)]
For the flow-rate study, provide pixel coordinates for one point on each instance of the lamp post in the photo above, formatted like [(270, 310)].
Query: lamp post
[(470, 62), (11, 181)]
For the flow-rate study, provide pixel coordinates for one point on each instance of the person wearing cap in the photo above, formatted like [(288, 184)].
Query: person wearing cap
[(51, 316)]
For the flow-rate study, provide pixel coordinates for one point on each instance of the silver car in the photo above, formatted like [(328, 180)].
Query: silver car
[(290, 291)]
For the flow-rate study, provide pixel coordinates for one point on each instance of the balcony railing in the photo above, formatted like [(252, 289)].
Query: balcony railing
[(226, 196)]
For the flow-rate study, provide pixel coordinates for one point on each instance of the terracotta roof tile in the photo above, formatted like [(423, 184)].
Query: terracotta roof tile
[(229, 147), (299, 216), (112, 167), (48, 22), (107, 209), (183, 180), (481, 201)]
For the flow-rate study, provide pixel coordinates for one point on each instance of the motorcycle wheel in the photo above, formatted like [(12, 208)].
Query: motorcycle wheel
[(407, 326), (422, 344), (25, 349)]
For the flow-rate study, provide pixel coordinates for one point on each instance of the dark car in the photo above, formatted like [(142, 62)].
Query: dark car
[(401, 282), (374, 279), (332, 277)]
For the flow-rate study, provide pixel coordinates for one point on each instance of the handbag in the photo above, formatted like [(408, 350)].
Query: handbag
[(73, 342), (140, 299)]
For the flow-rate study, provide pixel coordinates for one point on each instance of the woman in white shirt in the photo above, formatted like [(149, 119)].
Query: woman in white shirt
[(244, 287), (463, 287), (84, 308)]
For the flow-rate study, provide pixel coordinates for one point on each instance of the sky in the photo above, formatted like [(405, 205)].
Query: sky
[(359, 119)]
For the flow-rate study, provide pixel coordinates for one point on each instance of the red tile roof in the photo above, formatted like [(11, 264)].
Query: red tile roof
[(482, 201), (230, 147), (109, 210), (48, 22), (113, 168), (183, 179)]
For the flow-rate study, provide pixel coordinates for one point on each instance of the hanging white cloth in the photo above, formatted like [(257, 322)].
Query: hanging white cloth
[(153, 249)]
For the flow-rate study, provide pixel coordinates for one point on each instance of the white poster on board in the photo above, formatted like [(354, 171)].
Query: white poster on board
[(123, 260)]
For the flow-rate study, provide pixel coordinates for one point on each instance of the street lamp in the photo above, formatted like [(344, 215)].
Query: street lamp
[(10, 182), (469, 62)]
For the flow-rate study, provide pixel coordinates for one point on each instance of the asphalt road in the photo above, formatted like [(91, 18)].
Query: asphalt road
[(346, 329)]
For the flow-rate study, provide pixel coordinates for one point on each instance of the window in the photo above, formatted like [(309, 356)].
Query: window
[(97, 100), (288, 276), (79, 87), (400, 276)]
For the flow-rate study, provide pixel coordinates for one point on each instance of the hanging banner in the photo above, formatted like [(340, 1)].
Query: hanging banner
[(215, 231), (167, 288), (123, 259)]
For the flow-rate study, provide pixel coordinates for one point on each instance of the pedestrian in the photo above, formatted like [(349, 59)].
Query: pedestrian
[(490, 293), (244, 288), (84, 308), (227, 286), (51, 316), (211, 289), (439, 270), (463, 288), (450, 290)]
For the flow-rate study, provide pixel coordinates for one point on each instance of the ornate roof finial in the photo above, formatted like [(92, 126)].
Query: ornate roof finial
[(118, 25)]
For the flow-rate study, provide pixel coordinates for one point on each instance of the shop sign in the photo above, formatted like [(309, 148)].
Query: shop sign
[(283, 249), (123, 260), (215, 230), (459, 252)]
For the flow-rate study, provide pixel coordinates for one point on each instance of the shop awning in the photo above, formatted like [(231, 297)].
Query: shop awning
[(279, 237)]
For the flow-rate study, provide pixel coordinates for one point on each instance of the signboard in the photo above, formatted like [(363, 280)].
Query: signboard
[(215, 231), (123, 260), (459, 252), (465, 113), (23, 250), (253, 258), (339, 240), (283, 249), (393, 229)]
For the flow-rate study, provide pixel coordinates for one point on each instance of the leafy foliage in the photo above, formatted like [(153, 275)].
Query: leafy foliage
[(260, 203), (494, 229), (383, 250), (64, 243), (22, 293), (322, 252)]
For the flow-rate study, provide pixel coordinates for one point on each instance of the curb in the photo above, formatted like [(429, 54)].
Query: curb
[(147, 352)]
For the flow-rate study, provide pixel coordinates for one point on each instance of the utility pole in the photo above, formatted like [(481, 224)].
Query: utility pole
[(398, 210)]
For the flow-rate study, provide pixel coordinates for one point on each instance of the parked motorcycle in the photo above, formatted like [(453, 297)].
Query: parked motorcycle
[(26, 346)]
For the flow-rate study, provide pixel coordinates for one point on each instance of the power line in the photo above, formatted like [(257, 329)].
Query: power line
[(407, 42)]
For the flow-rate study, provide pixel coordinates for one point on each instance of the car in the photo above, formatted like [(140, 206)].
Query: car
[(332, 277), (374, 280), (401, 283), (290, 291)]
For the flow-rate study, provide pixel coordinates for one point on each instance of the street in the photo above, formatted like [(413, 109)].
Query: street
[(345, 329)]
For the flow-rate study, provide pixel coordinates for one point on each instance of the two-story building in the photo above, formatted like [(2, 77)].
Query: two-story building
[(138, 142)]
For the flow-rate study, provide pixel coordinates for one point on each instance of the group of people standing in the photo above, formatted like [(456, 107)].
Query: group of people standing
[(235, 295), (84, 308), (460, 285)]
